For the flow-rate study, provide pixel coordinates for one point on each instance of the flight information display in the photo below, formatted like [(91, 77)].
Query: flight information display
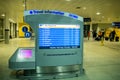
[(55, 36)]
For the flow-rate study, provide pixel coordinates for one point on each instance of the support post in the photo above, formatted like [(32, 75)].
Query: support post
[(6, 36)]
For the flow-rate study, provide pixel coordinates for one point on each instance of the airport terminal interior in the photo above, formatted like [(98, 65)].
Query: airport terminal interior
[(30, 35)]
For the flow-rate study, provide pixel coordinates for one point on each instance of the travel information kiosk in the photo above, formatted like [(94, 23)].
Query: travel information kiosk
[(58, 51)]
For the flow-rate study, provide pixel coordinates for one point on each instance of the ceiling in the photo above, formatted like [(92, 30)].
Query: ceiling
[(109, 9)]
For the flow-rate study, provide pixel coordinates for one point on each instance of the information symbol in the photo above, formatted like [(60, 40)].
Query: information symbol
[(27, 34), (25, 29)]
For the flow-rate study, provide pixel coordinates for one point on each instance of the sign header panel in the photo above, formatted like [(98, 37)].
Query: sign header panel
[(53, 12)]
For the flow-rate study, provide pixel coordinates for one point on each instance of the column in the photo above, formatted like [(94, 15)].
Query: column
[(91, 30), (6, 26)]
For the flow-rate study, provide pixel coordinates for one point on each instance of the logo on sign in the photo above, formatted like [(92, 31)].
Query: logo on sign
[(25, 29), (26, 33), (31, 12)]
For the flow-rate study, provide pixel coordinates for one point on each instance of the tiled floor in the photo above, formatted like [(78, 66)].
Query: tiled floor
[(100, 62)]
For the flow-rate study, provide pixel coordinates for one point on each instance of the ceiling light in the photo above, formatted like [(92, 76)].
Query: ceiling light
[(98, 13), (109, 19), (23, 5), (11, 20), (84, 8), (103, 16), (68, 0), (3, 15)]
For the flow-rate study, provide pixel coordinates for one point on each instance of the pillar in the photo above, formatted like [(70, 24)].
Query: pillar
[(6, 26), (91, 30), (6, 36)]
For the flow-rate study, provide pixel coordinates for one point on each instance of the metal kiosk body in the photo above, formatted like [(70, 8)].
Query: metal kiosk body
[(58, 51)]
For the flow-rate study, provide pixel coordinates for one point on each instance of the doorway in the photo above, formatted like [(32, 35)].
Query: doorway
[(86, 30), (1, 29), (13, 30)]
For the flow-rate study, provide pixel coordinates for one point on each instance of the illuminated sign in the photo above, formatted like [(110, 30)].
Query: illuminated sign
[(54, 12), (116, 24), (27, 34)]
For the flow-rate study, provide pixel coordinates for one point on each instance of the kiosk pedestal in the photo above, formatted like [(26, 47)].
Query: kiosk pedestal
[(58, 51)]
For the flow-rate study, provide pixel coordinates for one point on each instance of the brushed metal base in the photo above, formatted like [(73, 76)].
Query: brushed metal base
[(51, 72)]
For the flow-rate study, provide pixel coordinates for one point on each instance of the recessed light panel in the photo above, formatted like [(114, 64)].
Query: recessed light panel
[(98, 13), (68, 0)]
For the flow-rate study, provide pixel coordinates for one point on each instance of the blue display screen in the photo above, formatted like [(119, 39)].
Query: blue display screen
[(52, 36), (116, 24)]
